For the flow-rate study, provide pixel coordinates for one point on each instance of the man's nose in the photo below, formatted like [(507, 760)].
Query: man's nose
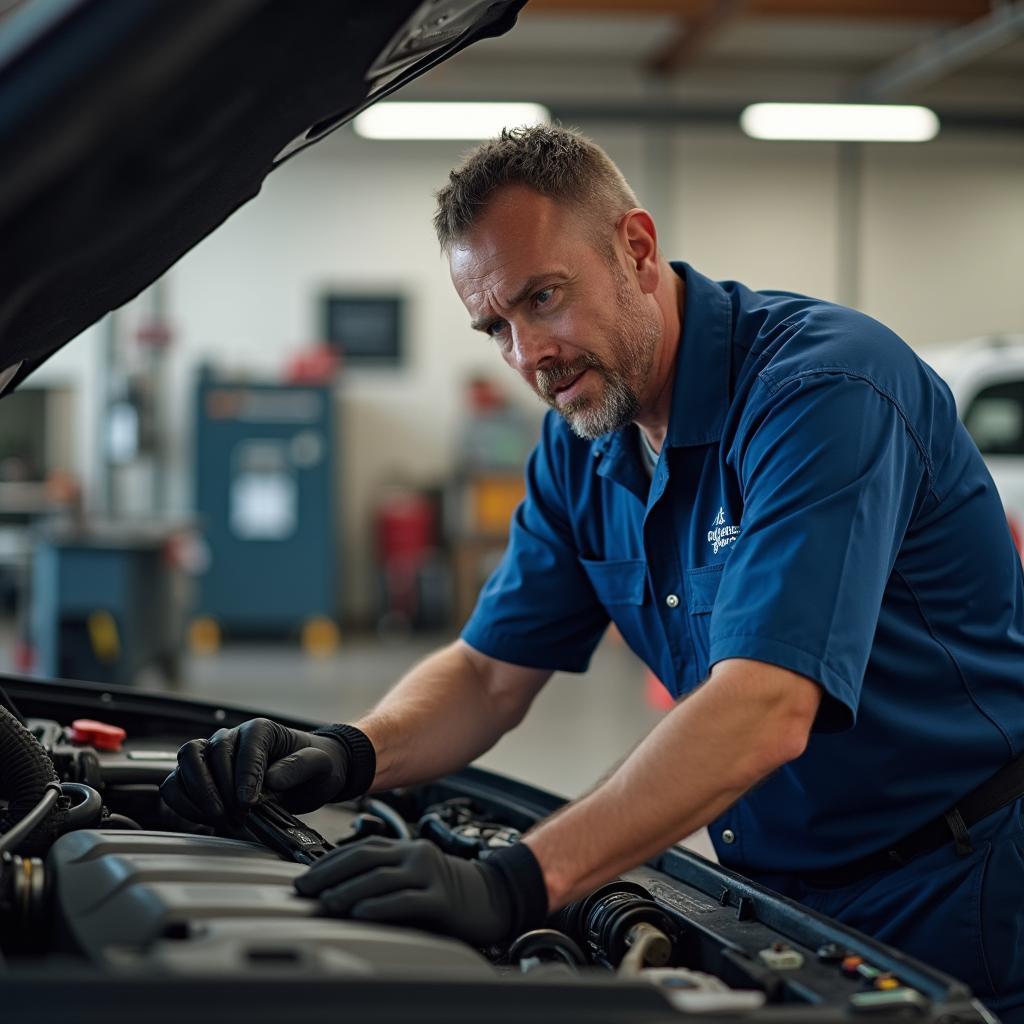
[(532, 348)]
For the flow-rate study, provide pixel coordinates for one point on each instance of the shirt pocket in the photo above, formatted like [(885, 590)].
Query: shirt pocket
[(619, 582), (621, 587), (702, 588)]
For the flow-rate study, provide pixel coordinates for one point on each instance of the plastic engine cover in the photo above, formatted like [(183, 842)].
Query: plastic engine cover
[(198, 904)]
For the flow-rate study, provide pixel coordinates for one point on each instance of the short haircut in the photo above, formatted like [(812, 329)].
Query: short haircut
[(557, 162)]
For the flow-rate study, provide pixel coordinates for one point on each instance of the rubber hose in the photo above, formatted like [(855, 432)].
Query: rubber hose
[(25, 769), (446, 838), (88, 808), (388, 815), (120, 821), (11, 839), (547, 942)]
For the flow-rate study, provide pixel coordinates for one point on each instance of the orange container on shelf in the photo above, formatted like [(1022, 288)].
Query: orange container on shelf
[(493, 499)]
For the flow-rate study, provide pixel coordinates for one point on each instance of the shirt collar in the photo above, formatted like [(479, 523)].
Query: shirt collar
[(700, 391)]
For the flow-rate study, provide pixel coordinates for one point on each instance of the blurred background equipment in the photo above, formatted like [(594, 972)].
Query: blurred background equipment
[(105, 602), (495, 439), (134, 435), (35, 485), (415, 578), (107, 597), (366, 330), (264, 498)]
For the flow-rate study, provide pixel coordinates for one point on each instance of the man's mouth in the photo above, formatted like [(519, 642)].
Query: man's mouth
[(567, 389), (557, 383)]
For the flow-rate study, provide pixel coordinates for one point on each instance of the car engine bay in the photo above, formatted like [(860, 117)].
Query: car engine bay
[(115, 886)]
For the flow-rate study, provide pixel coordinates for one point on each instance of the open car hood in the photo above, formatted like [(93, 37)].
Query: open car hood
[(131, 128)]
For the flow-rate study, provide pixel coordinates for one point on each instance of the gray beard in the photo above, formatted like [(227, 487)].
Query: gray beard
[(617, 406), (619, 402)]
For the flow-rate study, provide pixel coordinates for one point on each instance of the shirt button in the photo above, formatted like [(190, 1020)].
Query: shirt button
[(672, 601), (728, 836)]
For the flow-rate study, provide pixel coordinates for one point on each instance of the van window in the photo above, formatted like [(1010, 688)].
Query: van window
[(995, 418)]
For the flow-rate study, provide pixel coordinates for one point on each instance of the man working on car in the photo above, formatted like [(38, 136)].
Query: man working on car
[(768, 494)]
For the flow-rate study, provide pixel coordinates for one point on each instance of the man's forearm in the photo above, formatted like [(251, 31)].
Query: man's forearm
[(445, 712), (698, 761)]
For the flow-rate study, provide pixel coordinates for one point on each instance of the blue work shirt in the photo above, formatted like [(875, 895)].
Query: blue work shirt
[(816, 505)]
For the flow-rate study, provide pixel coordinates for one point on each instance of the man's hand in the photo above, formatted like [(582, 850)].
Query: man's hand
[(222, 777), (414, 883)]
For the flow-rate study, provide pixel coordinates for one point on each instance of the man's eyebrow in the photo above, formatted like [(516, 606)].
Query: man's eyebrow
[(530, 285)]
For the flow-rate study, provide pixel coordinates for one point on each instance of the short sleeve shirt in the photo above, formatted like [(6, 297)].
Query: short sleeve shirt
[(816, 505)]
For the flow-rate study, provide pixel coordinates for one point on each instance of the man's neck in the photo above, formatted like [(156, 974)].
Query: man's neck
[(654, 418)]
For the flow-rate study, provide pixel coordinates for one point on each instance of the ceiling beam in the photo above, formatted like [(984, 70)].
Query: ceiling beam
[(692, 35), (887, 10), (937, 58)]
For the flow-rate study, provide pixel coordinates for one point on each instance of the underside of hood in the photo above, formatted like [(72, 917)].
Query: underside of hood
[(131, 128)]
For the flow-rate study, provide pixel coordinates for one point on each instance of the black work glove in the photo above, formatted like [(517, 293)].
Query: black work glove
[(222, 777), (412, 882)]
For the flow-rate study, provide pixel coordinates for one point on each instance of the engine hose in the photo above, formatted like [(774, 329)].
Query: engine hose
[(14, 835), (25, 772), (88, 807), (388, 815), (607, 925), (546, 944), (120, 821), (441, 834)]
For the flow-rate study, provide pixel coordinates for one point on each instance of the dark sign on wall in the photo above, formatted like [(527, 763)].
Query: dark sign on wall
[(366, 329)]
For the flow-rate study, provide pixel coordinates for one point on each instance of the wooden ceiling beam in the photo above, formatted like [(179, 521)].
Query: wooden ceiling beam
[(876, 10), (692, 35)]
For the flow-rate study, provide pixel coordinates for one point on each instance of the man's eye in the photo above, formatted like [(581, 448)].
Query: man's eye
[(544, 295), (495, 328)]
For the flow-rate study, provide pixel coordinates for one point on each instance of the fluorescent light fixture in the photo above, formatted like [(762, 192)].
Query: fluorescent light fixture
[(839, 122), (446, 120)]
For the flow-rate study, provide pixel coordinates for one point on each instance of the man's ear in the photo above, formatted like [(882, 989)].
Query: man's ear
[(639, 238)]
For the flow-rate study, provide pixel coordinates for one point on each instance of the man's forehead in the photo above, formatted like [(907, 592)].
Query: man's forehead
[(518, 204), (498, 240), (511, 243), (504, 264), (516, 218)]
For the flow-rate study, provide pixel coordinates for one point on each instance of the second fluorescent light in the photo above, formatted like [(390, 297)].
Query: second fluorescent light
[(446, 120), (839, 122)]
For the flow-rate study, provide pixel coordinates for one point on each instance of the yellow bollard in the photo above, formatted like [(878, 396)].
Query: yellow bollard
[(320, 637)]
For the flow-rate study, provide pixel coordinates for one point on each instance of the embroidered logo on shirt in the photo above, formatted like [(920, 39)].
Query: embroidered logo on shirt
[(721, 534)]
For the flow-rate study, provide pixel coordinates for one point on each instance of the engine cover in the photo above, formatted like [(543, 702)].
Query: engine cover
[(204, 904)]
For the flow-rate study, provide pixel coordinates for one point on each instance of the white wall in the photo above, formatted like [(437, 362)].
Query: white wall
[(943, 231), (761, 213), (941, 245)]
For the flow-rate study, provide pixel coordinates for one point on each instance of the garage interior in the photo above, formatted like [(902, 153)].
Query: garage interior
[(151, 463)]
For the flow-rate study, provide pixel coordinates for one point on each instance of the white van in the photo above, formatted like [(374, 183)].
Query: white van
[(986, 376)]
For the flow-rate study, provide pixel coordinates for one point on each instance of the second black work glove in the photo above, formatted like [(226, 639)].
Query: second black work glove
[(222, 777), (413, 882)]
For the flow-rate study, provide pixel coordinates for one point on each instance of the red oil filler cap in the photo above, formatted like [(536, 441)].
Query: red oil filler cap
[(97, 734)]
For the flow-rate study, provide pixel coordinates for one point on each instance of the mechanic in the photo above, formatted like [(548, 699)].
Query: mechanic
[(773, 500)]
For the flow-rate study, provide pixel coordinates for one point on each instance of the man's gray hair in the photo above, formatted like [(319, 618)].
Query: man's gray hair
[(557, 162)]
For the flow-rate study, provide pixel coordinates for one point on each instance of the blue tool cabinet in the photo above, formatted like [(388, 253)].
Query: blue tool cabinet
[(102, 603), (264, 500)]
